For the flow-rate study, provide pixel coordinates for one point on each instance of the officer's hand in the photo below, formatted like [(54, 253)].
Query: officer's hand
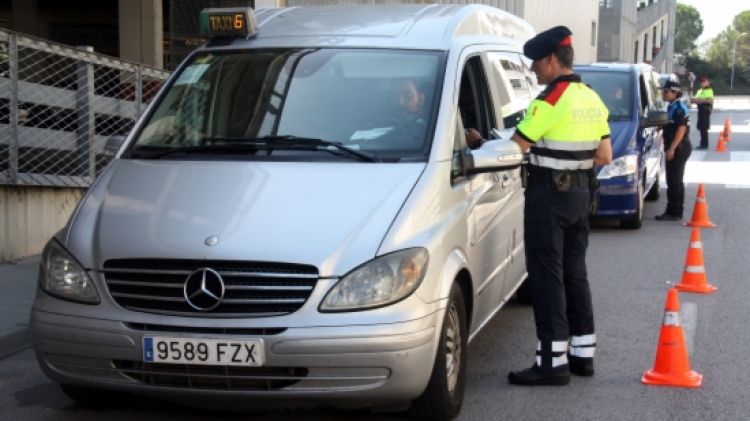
[(670, 154)]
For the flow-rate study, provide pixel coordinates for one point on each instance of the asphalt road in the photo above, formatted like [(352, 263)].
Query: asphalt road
[(629, 273)]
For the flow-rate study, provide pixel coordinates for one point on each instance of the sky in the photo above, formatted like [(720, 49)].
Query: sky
[(716, 14)]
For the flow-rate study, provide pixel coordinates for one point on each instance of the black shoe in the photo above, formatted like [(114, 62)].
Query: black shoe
[(581, 366), (534, 376), (700, 148), (668, 217)]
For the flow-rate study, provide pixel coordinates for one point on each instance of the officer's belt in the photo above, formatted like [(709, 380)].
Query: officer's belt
[(538, 176)]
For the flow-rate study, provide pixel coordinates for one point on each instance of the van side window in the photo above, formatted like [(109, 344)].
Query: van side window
[(645, 100), (474, 102), (513, 79), (656, 91)]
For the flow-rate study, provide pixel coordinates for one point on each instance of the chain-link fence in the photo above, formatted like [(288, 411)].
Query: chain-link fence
[(59, 105)]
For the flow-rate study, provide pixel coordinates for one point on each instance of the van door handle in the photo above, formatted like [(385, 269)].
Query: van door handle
[(506, 180)]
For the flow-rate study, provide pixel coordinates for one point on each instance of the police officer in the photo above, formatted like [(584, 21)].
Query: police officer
[(678, 148), (705, 100), (566, 132)]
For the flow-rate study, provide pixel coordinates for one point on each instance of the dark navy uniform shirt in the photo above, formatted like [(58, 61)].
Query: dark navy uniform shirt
[(678, 115)]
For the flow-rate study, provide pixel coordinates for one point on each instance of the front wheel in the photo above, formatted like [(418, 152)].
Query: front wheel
[(654, 191), (445, 392), (635, 221)]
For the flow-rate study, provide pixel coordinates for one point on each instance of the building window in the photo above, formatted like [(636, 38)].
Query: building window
[(593, 34), (635, 53), (645, 47)]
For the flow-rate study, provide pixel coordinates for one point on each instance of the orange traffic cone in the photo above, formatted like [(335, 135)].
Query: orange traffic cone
[(727, 128), (694, 275), (721, 143), (700, 211), (672, 366)]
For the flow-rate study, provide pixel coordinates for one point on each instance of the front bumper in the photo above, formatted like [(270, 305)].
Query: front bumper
[(617, 197), (357, 365)]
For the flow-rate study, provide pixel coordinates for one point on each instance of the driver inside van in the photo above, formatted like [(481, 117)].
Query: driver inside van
[(413, 118)]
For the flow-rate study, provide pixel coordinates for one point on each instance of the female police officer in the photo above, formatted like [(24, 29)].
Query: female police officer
[(567, 133), (678, 148)]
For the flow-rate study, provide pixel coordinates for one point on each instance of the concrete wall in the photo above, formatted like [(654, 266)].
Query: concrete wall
[(29, 216), (581, 16), (141, 32)]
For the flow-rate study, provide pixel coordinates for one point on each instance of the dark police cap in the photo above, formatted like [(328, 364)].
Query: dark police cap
[(545, 43), (671, 85)]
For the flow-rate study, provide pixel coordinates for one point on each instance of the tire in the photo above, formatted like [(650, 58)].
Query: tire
[(525, 293), (92, 398), (444, 395), (635, 222), (654, 191)]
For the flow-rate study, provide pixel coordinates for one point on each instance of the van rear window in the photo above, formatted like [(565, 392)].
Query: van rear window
[(614, 89)]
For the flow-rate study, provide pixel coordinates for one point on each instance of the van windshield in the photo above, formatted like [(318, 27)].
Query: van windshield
[(298, 104), (614, 89)]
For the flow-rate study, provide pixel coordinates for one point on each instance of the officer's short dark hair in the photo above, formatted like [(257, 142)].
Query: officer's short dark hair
[(565, 56)]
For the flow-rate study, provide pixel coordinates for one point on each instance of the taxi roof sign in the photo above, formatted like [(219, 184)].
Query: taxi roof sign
[(228, 22)]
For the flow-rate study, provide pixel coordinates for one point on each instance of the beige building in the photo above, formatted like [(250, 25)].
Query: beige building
[(159, 32)]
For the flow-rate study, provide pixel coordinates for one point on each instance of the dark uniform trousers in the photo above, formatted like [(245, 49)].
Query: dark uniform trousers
[(704, 123), (675, 170), (556, 229)]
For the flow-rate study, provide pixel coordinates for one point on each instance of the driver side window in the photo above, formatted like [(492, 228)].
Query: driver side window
[(474, 104)]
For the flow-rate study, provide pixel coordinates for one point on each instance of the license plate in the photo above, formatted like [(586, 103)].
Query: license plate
[(203, 351)]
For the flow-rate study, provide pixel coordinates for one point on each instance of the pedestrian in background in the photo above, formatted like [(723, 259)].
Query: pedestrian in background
[(705, 100), (678, 148), (566, 132)]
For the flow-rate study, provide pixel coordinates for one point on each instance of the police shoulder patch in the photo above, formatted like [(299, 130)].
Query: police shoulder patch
[(553, 92)]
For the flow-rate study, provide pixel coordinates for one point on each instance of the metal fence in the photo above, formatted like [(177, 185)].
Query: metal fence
[(58, 106)]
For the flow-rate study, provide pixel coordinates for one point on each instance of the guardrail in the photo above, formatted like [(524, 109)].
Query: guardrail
[(58, 106)]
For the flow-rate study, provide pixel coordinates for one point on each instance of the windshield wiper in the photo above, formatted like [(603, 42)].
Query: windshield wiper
[(293, 142)]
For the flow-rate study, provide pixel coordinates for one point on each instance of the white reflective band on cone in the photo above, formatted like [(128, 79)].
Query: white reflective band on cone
[(695, 269), (583, 340), (696, 245), (582, 352), (671, 318)]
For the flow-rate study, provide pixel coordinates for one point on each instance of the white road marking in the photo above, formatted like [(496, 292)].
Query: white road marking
[(718, 172), (740, 156), (689, 319), (736, 128)]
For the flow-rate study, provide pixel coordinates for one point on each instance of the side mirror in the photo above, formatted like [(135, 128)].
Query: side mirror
[(113, 145), (495, 155), (655, 118)]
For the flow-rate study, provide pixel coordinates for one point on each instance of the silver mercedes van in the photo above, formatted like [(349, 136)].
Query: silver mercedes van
[(300, 217)]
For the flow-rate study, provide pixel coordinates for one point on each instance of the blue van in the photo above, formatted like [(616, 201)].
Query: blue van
[(636, 114)]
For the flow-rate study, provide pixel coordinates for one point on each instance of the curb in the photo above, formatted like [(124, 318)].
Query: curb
[(14, 342)]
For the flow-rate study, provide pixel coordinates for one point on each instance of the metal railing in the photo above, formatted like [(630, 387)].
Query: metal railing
[(59, 105)]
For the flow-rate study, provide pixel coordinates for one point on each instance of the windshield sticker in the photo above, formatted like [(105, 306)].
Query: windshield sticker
[(191, 74), (370, 134)]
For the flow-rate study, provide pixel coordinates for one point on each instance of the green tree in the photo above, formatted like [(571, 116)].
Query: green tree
[(719, 55), (689, 26)]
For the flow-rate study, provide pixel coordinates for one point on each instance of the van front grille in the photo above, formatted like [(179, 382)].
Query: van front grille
[(211, 377), (251, 289)]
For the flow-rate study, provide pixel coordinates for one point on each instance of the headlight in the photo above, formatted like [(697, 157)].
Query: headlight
[(624, 165), (62, 276), (379, 282)]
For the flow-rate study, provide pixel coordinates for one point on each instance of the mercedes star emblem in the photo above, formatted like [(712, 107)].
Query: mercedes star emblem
[(204, 289)]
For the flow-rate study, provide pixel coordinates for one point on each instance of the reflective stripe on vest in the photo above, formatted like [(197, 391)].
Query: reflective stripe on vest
[(565, 125)]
